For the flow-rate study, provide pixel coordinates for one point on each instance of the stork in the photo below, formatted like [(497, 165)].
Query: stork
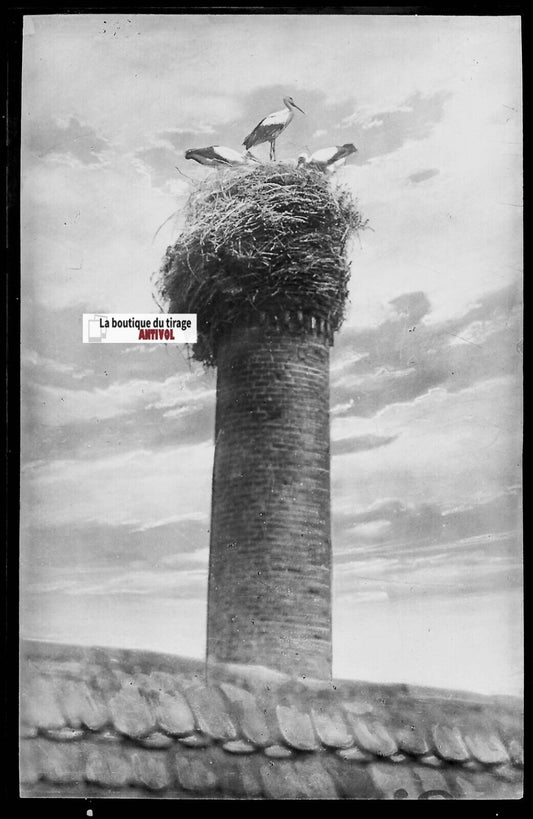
[(216, 156), (327, 158), (272, 126)]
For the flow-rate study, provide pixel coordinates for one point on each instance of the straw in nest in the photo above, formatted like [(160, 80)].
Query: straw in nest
[(269, 239)]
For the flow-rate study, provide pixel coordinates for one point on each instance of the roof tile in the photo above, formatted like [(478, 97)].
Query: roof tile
[(173, 715), (61, 763), (250, 777), (507, 772), (106, 765), (195, 773), (239, 746), (449, 744), (94, 711), (472, 765), (397, 758), (430, 779), (389, 779), (280, 779), (372, 736), (39, 704), (466, 788), (358, 707), (64, 734), (516, 752), (486, 747), (170, 730), (412, 740), (296, 728), (331, 727), (162, 681), (351, 781), (251, 719), (450, 774), (210, 712), (278, 752), (28, 731), (29, 762), (70, 701), (157, 740), (354, 754), (431, 761), (81, 706), (146, 684), (195, 740), (108, 736), (315, 779), (150, 769), (237, 775), (483, 785), (131, 714)]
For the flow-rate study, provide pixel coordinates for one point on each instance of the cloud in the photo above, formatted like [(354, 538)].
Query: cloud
[(406, 356), (373, 123), (452, 448), (423, 549), (368, 115), (86, 425), (201, 556), (60, 406), (134, 487), (68, 139), (159, 162), (51, 366), (428, 523), (147, 67), (406, 122), (87, 399), (423, 176), (77, 549), (166, 583), (92, 232), (157, 524), (386, 131), (359, 443), (56, 335)]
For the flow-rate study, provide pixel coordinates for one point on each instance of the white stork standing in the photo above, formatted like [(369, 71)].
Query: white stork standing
[(272, 126), (217, 156), (327, 158)]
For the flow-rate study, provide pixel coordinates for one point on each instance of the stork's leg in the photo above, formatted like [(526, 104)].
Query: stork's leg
[(273, 151)]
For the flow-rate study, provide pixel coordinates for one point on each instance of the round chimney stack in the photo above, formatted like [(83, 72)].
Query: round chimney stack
[(262, 261)]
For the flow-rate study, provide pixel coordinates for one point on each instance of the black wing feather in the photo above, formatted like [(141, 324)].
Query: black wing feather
[(269, 132)]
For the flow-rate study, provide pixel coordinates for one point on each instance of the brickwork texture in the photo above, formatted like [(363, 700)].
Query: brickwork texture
[(270, 552)]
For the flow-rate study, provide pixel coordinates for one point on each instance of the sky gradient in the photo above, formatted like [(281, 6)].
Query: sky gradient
[(117, 441)]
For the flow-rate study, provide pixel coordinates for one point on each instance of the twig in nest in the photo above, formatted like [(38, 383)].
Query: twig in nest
[(271, 239)]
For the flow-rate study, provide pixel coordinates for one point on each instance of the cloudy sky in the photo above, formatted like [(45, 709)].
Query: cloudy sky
[(117, 441)]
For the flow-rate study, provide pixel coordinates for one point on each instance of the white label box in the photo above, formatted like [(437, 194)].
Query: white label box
[(139, 328)]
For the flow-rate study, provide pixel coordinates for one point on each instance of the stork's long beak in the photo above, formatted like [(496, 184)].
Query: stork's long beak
[(299, 109)]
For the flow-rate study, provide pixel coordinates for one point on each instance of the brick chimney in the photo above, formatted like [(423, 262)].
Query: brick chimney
[(270, 552), (262, 261)]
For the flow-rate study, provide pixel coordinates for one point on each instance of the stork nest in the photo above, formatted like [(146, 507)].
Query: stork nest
[(268, 239)]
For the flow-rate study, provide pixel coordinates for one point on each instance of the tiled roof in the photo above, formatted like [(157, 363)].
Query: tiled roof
[(106, 722)]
